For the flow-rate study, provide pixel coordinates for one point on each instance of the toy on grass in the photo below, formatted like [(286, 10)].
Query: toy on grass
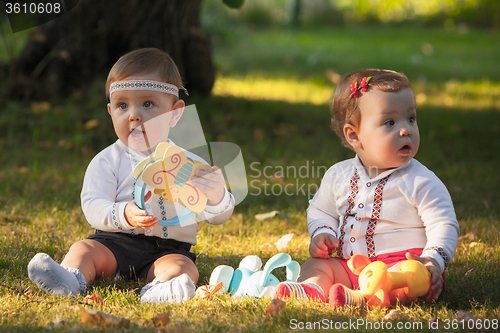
[(376, 282), (170, 174), (249, 280)]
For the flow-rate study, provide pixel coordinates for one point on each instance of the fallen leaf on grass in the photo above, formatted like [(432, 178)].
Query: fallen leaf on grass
[(101, 319), (465, 316), (208, 290), (264, 216), (468, 236), (29, 293), (476, 244), (266, 246), (393, 314), (161, 319), (93, 299), (275, 306), (282, 243)]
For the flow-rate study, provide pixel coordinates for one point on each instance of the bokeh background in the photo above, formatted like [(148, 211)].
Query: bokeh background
[(261, 76)]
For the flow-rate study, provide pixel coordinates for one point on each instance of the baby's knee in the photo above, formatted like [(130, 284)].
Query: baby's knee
[(82, 247), (318, 264), (315, 267)]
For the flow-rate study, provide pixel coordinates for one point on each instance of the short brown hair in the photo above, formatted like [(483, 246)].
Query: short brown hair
[(145, 61), (345, 108)]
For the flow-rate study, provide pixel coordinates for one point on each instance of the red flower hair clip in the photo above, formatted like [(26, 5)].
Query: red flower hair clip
[(357, 87)]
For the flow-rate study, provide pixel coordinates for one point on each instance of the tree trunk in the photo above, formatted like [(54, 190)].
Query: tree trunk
[(83, 44)]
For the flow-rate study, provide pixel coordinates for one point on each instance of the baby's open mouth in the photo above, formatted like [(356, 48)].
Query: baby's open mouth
[(405, 149), (136, 135)]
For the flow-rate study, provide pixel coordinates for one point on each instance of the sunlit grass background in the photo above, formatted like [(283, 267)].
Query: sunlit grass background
[(271, 98)]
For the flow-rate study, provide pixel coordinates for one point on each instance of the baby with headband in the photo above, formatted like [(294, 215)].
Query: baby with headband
[(382, 203), (143, 88)]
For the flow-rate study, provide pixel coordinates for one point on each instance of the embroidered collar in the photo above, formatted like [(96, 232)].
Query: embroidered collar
[(363, 174)]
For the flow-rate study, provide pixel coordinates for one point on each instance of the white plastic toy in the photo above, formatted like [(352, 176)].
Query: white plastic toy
[(249, 280)]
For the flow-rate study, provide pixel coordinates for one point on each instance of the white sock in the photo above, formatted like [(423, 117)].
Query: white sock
[(55, 279), (178, 289)]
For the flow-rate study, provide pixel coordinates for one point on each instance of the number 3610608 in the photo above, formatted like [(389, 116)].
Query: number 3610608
[(32, 8)]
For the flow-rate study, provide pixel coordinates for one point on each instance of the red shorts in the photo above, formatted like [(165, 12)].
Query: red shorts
[(388, 258)]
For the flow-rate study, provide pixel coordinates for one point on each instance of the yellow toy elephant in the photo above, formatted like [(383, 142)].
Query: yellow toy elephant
[(376, 282)]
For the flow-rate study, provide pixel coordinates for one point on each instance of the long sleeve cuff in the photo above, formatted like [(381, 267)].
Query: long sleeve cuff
[(118, 217), (226, 204), (438, 255)]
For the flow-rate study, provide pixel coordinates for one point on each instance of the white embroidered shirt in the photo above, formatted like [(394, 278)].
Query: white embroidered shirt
[(404, 208), (109, 185)]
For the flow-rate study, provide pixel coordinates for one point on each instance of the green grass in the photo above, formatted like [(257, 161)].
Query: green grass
[(45, 154)]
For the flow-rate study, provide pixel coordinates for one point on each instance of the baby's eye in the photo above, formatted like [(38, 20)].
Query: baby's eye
[(148, 104), (389, 123), (412, 119), (122, 106)]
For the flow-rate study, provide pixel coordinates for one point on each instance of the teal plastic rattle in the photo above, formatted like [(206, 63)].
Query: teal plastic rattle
[(249, 280)]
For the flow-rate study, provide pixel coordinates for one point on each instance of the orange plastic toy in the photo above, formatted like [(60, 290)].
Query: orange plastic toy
[(376, 282)]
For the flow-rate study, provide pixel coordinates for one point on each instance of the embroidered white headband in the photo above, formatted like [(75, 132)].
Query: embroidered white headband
[(145, 85)]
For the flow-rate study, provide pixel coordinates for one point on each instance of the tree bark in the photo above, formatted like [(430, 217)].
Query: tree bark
[(83, 44)]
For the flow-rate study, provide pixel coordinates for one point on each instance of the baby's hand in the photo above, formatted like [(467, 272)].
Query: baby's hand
[(139, 218), (211, 182), (323, 245), (436, 276)]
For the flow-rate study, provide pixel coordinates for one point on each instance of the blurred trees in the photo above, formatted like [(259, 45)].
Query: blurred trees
[(69, 52), (441, 13), (72, 50)]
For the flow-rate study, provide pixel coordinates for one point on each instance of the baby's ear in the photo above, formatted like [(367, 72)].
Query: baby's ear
[(351, 135), (177, 111)]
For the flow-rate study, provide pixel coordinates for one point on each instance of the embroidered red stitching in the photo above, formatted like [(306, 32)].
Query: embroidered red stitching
[(377, 205), (441, 252), (323, 227), (352, 196)]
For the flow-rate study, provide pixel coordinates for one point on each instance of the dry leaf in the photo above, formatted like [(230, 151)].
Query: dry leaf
[(100, 319), (465, 316), (93, 299), (264, 216), (393, 314), (469, 272), (29, 293), (470, 236), (161, 319), (282, 243), (205, 291), (275, 306), (265, 247), (479, 245)]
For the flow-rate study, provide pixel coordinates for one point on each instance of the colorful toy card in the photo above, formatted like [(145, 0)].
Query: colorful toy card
[(170, 173)]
